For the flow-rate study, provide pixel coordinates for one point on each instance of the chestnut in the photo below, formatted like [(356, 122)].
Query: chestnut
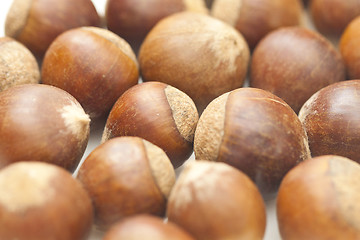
[(254, 131), (197, 54), (142, 227), (94, 65), (133, 19), (350, 50), (256, 18), (17, 64), (158, 113), (42, 123), (42, 201), (331, 17), (126, 176), (293, 63), (36, 23), (319, 199), (214, 201), (331, 118)]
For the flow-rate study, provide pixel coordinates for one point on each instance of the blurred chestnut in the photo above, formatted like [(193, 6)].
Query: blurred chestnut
[(94, 65), (256, 18), (319, 199), (42, 123), (36, 23), (197, 54), (17, 64), (158, 113), (142, 227), (332, 16), (127, 176), (350, 50), (293, 63), (254, 131), (133, 19), (214, 201), (331, 119), (42, 201)]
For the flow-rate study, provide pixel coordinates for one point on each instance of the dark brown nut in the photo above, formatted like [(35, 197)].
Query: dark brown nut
[(214, 201), (254, 131), (36, 23), (197, 54), (133, 19), (142, 227), (332, 16), (319, 199), (126, 176), (293, 63), (158, 113), (42, 201), (256, 18), (94, 65), (17, 64), (42, 123), (350, 50), (331, 119)]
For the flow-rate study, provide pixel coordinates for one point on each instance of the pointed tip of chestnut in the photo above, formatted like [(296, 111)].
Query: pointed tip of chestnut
[(76, 120)]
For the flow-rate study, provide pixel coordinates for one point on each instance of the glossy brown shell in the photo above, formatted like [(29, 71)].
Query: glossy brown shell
[(350, 50), (319, 199), (132, 20), (197, 54), (213, 201), (41, 21), (92, 67), (331, 119), (42, 123), (261, 136), (65, 213), (332, 16), (256, 18), (144, 111), (293, 63), (118, 177)]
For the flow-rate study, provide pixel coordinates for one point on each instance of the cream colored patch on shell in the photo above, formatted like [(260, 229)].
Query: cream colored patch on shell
[(106, 134), (195, 6), (307, 108), (26, 185), (184, 112), (345, 176), (227, 45), (161, 168), (227, 10), (210, 129), (115, 39), (198, 181), (17, 65), (76, 120), (17, 17)]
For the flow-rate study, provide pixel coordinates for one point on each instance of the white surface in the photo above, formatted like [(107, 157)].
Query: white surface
[(272, 228)]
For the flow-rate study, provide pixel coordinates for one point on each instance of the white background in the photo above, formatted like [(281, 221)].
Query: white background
[(271, 230)]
